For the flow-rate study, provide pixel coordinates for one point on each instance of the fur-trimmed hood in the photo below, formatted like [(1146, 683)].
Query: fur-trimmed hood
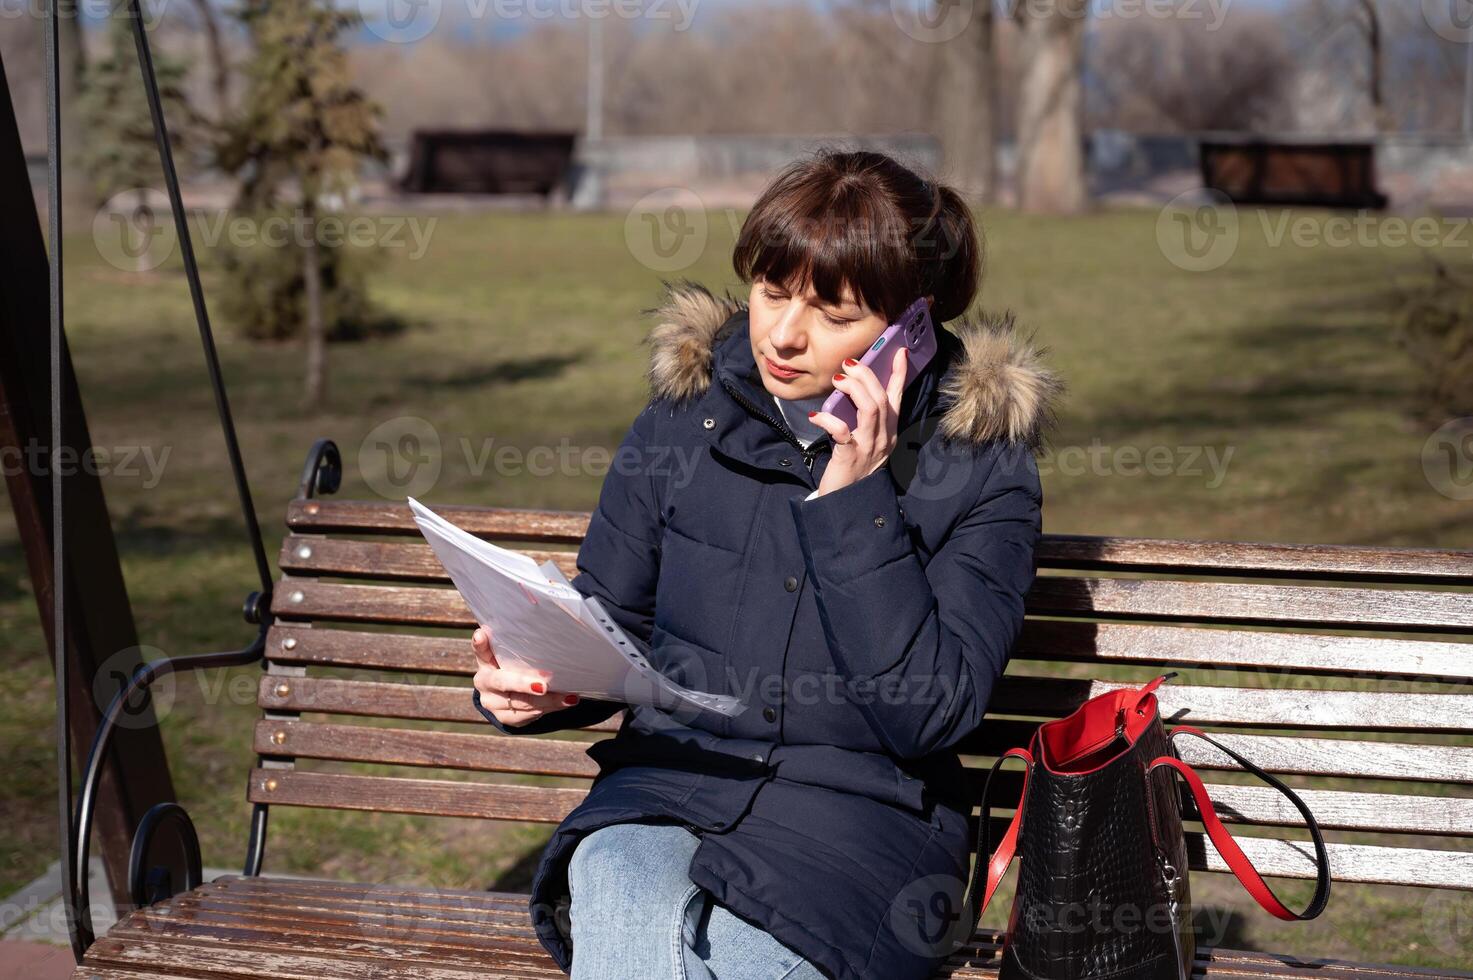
[(996, 386)]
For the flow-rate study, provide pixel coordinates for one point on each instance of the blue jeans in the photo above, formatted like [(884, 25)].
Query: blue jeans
[(636, 915)]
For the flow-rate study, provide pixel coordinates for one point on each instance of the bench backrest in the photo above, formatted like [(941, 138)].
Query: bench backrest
[(1343, 669)]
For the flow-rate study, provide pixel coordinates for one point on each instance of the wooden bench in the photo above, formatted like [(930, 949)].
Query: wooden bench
[(1302, 675)]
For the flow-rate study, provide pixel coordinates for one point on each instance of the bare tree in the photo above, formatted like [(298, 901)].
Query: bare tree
[(1179, 74), (1050, 169), (966, 103)]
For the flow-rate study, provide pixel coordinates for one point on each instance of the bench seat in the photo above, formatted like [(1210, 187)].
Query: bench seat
[(1344, 669), (306, 929)]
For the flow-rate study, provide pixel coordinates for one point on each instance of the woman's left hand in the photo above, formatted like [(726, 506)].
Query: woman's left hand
[(859, 452)]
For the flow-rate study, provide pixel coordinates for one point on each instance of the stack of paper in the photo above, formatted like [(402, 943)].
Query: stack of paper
[(540, 621)]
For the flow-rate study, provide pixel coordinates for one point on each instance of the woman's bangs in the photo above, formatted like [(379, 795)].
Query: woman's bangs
[(830, 252)]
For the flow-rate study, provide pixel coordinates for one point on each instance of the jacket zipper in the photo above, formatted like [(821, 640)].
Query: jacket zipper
[(778, 424)]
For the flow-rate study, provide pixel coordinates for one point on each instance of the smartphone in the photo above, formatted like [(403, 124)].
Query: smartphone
[(915, 330)]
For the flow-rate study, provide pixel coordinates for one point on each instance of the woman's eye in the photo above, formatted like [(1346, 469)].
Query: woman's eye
[(837, 322), (770, 296)]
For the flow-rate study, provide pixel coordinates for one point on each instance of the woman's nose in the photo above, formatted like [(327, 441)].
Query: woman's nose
[(788, 331)]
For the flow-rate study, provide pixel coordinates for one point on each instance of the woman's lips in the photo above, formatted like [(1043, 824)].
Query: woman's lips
[(780, 371)]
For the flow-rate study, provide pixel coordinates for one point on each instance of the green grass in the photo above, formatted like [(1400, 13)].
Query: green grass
[(524, 330)]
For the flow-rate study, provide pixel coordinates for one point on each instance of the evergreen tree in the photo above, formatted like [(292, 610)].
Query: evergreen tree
[(302, 128), (116, 150)]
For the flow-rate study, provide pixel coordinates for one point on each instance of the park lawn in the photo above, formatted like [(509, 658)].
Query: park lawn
[(523, 330)]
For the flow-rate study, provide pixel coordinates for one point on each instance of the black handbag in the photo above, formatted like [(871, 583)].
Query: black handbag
[(1102, 883)]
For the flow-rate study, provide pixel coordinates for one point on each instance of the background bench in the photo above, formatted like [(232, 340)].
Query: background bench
[(1259, 631)]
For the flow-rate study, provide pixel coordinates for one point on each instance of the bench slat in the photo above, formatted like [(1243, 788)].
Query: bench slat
[(1015, 695), (384, 559), (1337, 809), (1330, 562), (1334, 809), (408, 747), (1252, 603), (1041, 639), (492, 523), (1276, 753), (1230, 603), (1323, 654), (1284, 858), (1352, 711)]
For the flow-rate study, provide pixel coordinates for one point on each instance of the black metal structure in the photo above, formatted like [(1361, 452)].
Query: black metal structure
[(150, 882)]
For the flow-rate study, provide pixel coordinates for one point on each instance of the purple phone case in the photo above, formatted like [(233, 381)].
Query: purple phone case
[(915, 330)]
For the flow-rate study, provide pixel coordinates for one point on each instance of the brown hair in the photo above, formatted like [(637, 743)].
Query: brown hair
[(864, 219)]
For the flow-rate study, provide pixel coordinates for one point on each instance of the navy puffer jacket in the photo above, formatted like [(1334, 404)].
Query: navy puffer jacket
[(865, 629)]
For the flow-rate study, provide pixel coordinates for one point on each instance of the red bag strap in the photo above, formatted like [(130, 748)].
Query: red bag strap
[(996, 864), (1141, 693), (1228, 847)]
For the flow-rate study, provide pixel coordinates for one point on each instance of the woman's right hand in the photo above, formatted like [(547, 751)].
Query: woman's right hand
[(514, 696)]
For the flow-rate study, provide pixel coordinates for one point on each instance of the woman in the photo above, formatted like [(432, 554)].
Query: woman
[(859, 590)]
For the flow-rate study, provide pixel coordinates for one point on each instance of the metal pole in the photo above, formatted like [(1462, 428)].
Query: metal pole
[(58, 549), (589, 194), (1467, 88)]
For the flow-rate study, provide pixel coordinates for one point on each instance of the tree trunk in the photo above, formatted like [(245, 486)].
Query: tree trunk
[(77, 197), (1050, 169), (316, 331), (966, 100), (220, 69), (1375, 69)]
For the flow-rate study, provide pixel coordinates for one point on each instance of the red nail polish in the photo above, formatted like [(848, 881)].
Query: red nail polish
[(812, 414), (571, 699), (838, 377), (850, 360), (538, 687)]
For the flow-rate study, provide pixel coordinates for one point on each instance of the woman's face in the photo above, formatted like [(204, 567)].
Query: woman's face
[(801, 332)]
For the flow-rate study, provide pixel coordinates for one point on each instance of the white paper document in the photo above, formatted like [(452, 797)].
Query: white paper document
[(540, 621)]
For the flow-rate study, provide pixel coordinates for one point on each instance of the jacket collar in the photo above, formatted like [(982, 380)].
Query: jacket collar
[(986, 381)]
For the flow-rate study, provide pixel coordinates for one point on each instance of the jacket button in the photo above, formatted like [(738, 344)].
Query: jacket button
[(709, 423), (769, 713), (791, 583), (880, 521), (785, 462)]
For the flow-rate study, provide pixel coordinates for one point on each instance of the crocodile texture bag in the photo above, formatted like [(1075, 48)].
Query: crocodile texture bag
[(1102, 882)]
